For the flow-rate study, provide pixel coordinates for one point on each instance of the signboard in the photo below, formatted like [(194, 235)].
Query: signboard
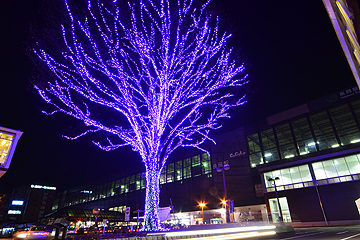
[(127, 214), (14, 212), (164, 213), (17, 202), (42, 187)]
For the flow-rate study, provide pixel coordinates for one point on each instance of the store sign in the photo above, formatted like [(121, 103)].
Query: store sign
[(17, 202), (43, 187), (237, 154), (86, 191), (14, 212), (349, 92)]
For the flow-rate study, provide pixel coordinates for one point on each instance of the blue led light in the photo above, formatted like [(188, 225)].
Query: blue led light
[(158, 67)]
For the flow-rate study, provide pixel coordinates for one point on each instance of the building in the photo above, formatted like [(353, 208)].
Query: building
[(313, 149), (345, 18), (30, 203), (9, 139)]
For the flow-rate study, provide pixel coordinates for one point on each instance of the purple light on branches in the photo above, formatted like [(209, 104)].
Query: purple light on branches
[(156, 63)]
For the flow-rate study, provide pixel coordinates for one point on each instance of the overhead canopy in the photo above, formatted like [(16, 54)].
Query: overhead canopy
[(6, 224), (86, 214)]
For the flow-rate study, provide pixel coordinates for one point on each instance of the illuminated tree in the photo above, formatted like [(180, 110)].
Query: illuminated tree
[(160, 64)]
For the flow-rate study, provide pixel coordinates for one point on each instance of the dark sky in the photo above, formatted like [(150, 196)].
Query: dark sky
[(291, 53)]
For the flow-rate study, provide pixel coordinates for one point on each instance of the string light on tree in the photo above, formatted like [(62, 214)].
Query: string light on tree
[(162, 65)]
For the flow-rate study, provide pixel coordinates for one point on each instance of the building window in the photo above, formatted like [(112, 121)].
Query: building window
[(206, 163), (163, 175), (187, 168), (269, 144), (138, 181), (324, 134), (127, 183), (356, 106), (178, 170), (143, 181), (304, 141), (255, 155), (6, 140), (345, 124), (170, 173), (289, 176), (132, 183), (122, 186), (337, 170), (196, 166), (286, 141)]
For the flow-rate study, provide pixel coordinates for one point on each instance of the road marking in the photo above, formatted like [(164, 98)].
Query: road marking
[(342, 232), (350, 237), (302, 236)]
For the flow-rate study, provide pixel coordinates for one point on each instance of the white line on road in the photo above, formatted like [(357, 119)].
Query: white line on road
[(302, 236), (350, 237), (342, 232)]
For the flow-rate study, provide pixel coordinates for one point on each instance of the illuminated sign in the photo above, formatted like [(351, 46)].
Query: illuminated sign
[(86, 191), (17, 202), (14, 212), (43, 187), (237, 154)]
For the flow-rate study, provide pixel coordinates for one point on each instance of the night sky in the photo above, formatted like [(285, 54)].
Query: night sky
[(291, 54)]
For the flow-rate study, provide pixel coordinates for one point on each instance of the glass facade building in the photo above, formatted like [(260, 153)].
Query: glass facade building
[(310, 157), (314, 132), (313, 150), (179, 171)]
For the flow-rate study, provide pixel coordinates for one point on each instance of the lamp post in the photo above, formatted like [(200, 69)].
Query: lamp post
[(202, 205), (277, 198), (222, 169)]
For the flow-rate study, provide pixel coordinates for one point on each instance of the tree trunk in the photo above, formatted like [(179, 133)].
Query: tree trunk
[(152, 199)]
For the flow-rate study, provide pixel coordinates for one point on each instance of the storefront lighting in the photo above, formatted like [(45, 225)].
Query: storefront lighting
[(335, 146), (268, 154), (290, 156), (355, 141), (303, 153)]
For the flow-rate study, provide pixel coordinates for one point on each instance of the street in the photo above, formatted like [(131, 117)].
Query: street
[(338, 233), (311, 233)]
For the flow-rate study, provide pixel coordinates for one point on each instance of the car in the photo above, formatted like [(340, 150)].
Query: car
[(35, 232)]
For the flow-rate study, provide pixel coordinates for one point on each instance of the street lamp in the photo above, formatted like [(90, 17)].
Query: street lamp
[(222, 169), (277, 198), (202, 205)]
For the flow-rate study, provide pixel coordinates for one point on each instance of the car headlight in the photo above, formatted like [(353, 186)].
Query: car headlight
[(22, 235)]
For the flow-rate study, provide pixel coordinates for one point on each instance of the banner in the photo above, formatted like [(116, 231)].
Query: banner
[(164, 213)]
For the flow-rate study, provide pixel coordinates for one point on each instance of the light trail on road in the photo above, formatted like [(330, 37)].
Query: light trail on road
[(235, 236), (350, 236)]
